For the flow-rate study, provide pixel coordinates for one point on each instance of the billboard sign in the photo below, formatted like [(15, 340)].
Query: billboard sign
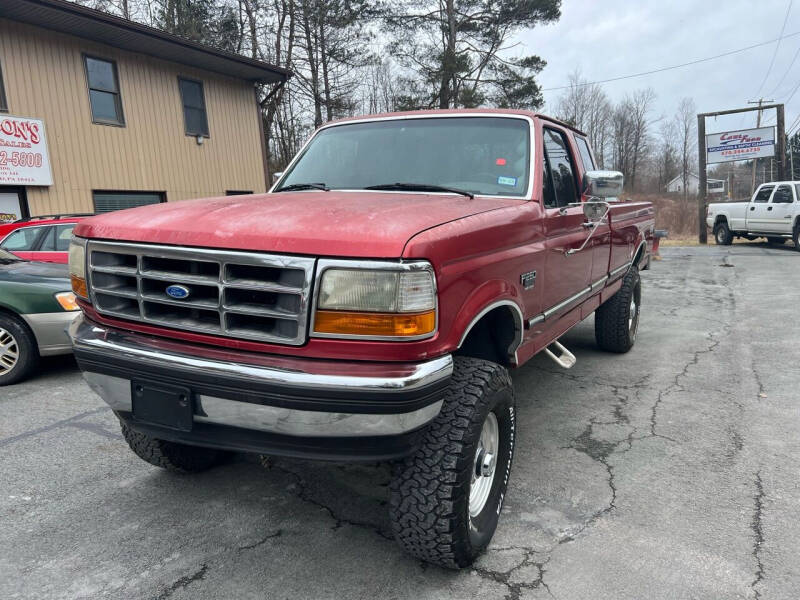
[(24, 159), (745, 144)]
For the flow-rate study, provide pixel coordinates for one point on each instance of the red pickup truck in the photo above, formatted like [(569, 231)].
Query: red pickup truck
[(367, 308)]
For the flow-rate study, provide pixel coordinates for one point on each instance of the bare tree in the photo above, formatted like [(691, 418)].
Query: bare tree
[(586, 106), (686, 129)]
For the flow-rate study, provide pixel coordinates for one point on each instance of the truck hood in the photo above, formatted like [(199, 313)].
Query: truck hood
[(358, 224)]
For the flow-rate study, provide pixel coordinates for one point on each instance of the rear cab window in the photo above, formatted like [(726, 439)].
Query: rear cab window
[(782, 195), (585, 152), (763, 194)]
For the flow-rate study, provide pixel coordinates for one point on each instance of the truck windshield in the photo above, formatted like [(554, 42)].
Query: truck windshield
[(484, 155)]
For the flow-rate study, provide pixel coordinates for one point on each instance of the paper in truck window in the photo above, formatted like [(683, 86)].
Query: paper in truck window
[(503, 180)]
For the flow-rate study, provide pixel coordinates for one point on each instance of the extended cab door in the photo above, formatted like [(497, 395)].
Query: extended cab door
[(757, 215), (780, 209), (565, 276)]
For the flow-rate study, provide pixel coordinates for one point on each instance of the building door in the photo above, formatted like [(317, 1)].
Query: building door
[(13, 204)]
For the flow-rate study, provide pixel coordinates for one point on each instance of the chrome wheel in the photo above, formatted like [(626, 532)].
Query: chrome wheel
[(9, 351), (484, 465), (633, 317)]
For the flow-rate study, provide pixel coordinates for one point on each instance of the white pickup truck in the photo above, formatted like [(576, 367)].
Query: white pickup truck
[(773, 212)]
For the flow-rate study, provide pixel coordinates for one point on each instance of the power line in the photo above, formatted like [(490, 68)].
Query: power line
[(785, 73), (662, 69), (778, 45)]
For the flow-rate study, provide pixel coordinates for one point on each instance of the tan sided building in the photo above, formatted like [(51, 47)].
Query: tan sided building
[(98, 113)]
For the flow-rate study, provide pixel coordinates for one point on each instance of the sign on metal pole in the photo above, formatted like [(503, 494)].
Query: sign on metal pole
[(744, 144), (24, 159)]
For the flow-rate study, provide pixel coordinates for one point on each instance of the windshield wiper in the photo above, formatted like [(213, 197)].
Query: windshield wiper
[(419, 187), (304, 186)]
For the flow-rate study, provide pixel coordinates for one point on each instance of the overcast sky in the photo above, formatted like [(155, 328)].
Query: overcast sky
[(610, 38)]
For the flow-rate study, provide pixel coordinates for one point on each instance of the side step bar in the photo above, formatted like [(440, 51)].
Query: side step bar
[(564, 358)]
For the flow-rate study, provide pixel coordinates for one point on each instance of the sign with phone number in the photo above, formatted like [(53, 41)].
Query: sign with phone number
[(24, 159)]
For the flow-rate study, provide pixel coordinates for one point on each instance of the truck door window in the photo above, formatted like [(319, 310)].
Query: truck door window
[(763, 194), (783, 195), (586, 154), (560, 167)]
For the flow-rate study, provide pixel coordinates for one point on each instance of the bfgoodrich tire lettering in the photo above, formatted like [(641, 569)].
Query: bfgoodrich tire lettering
[(616, 322), (430, 491), (178, 458)]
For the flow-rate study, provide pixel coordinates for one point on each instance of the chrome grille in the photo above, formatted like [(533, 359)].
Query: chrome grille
[(237, 294)]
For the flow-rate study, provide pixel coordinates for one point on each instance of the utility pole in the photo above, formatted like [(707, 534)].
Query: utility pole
[(760, 101)]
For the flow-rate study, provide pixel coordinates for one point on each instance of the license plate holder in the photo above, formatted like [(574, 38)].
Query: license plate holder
[(164, 405)]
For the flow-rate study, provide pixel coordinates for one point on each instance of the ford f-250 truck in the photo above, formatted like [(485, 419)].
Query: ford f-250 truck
[(773, 212), (367, 308)]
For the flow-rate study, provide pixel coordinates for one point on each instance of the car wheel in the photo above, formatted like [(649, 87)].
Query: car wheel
[(178, 458), (722, 234), (616, 322), (796, 237), (445, 500), (19, 353)]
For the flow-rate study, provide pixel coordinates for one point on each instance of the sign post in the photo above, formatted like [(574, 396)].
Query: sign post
[(746, 144)]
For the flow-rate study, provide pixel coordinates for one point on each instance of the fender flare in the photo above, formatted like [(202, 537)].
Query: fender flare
[(519, 323)]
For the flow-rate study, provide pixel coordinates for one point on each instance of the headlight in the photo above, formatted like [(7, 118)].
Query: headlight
[(67, 301), (380, 302), (77, 267)]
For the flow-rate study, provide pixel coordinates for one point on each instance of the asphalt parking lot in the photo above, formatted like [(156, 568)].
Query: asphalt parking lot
[(669, 472)]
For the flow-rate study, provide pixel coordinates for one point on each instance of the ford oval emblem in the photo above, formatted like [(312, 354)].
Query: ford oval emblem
[(177, 291)]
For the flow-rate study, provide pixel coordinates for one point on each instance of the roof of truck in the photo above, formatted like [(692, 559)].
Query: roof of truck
[(457, 111)]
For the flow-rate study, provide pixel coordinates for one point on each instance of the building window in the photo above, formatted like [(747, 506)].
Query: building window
[(110, 201), (3, 100), (195, 119), (104, 96)]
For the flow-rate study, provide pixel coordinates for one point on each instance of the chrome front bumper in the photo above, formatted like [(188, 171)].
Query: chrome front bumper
[(275, 394)]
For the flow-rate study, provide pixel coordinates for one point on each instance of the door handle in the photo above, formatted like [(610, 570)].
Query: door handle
[(752, 208), (589, 224), (769, 208)]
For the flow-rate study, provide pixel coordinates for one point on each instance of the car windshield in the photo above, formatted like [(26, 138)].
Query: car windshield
[(482, 155), (6, 257)]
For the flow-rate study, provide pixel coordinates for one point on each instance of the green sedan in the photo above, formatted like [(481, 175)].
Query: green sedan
[(36, 306)]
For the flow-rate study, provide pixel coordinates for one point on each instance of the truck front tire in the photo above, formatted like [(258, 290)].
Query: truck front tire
[(446, 498), (617, 320), (722, 234), (796, 237), (178, 458)]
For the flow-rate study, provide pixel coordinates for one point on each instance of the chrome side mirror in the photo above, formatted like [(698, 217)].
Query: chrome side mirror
[(602, 184)]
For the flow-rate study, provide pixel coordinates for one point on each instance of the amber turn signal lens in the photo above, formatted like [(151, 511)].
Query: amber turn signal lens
[(67, 301), (79, 286), (374, 324)]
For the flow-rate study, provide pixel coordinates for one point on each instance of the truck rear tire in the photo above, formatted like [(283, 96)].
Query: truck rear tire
[(796, 237), (178, 458), (722, 234), (446, 498), (19, 353), (617, 320)]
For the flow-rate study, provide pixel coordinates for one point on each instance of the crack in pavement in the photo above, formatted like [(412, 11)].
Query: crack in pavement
[(183, 582), (262, 541), (758, 532), (515, 588), (68, 421), (339, 520)]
